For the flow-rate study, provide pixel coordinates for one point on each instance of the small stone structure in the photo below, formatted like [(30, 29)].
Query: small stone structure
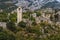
[(3, 24)]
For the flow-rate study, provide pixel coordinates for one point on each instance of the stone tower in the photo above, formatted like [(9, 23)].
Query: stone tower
[(19, 14)]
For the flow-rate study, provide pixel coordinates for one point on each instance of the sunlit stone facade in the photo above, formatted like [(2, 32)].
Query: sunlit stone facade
[(19, 14)]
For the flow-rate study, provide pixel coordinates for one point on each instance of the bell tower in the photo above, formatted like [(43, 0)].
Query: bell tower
[(19, 14)]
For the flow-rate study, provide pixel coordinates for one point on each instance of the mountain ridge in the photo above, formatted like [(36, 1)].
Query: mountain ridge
[(34, 4), (54, 5)]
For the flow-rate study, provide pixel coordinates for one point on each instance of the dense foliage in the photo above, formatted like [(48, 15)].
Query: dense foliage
[(3, 17), (6, 34), (42, 31), (23, 31)]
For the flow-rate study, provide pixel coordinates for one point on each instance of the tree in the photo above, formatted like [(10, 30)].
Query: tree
[(32, 18), (51, 18), (13, 17), (22, 24), (34, 23), (11, 26), (38, 13), (3, 17), (1, 29), (27, 14), (56, 17), (6, 34)]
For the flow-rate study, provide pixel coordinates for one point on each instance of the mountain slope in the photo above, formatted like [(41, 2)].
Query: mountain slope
[(54, 5), (7, 5), (30, 4)]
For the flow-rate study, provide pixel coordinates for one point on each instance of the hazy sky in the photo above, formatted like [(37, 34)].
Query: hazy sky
[(58, 0)]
